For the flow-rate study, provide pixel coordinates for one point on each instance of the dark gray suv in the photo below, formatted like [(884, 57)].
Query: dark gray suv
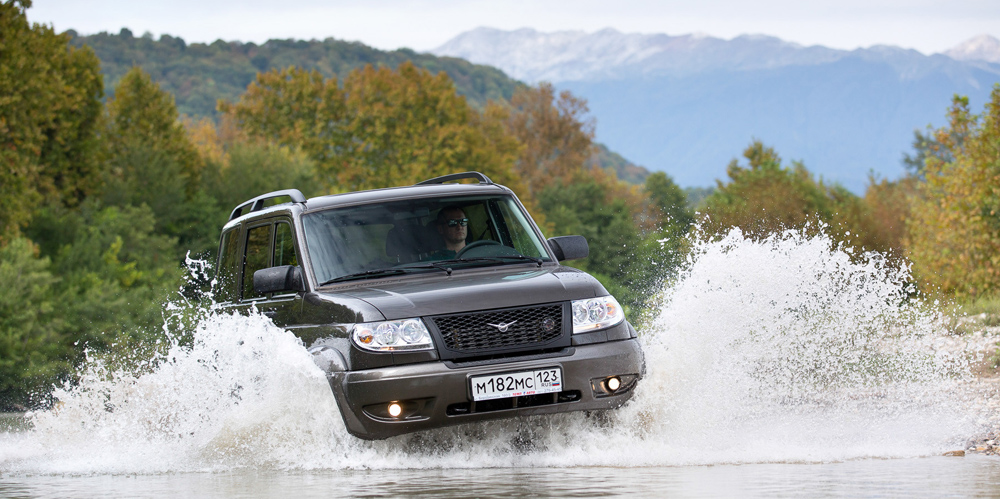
[(431, 305)]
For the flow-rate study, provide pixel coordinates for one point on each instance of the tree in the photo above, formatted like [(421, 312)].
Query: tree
[(151, 161), (668, 199), (49, 109), (33, 351), (383, 128), (238, 168), (888, 203), (925, 146), (295, 108), (198, 75), (954, 231), (407, 125), (556, 135), (764, 197), (629, 260)]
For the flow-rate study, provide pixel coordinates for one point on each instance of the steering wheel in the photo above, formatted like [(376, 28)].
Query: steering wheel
[(476, 244)]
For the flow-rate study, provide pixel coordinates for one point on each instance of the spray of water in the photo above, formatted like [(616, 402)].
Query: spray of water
[(769, 351)]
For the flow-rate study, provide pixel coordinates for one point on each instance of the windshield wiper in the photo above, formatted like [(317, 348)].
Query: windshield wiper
[(439, 265), (496, 258), (366, 274), (537, 260)]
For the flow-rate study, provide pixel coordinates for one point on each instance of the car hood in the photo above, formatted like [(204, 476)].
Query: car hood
[(473, 289)]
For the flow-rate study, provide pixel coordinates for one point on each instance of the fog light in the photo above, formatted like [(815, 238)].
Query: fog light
[(395, 410), (614, 383)]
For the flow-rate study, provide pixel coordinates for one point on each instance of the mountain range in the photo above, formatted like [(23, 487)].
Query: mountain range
[(688, 104)]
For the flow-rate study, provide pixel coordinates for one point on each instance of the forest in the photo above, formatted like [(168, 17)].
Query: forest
[(105, 195)]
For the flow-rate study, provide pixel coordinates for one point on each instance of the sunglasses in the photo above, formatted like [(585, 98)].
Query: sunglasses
[(454, 222)]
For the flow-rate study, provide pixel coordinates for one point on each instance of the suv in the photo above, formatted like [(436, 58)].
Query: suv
[(413, 336)]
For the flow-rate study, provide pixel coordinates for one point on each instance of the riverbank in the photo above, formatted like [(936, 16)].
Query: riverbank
[(979, 336)]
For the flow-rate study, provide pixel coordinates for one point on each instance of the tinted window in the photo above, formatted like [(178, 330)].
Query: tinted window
[(405, 234), (522, 238), (228, 260), (284, 246), (258, 256)]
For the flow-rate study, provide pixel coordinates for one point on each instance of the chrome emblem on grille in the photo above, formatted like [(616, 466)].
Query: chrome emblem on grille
[(502, 326)]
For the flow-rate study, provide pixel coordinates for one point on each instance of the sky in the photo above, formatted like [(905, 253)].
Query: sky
[(930, 26)]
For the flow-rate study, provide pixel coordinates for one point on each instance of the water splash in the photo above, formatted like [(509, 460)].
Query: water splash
[(778, 350)]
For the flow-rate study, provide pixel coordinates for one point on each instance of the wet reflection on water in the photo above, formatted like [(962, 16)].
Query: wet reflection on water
[(924, 477)]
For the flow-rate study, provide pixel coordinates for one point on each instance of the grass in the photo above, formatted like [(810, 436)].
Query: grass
[(989, 305), (984, 312)]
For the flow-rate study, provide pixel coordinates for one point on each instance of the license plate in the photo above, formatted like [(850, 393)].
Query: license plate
[(498, 386)]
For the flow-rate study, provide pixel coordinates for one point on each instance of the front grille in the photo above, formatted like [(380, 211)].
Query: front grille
[(501, 329)]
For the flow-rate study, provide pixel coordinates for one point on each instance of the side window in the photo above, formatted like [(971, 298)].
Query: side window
[(258, 256), (228, 258), (516, 227), (284, 246)]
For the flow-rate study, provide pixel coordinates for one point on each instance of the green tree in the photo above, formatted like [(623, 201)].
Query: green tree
[(115, 271), (151, 161), (764, 197), (49, 109), (669, 199), (33, 350), (294, 108), (954, 230), (631, 262)]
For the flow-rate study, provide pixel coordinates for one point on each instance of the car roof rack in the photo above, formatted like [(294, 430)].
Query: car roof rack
[(483, 179), (257, 203)]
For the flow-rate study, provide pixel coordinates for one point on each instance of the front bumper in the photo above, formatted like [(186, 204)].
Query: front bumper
[(437, 394)]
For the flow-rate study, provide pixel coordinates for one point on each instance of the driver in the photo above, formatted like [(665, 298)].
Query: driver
[(453, 226)]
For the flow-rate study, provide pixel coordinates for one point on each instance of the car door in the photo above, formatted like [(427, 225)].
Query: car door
[(270, 243)]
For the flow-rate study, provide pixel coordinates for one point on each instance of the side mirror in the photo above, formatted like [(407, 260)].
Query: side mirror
[(278, 279), (569, 247)]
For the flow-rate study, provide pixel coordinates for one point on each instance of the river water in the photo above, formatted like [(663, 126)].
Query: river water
[(774, 368)]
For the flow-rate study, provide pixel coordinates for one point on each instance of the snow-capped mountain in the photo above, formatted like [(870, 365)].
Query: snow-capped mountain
[(980, 48), (687, 104), (533, 56)]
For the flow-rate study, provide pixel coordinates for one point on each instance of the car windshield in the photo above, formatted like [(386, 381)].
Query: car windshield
[(391, 238)]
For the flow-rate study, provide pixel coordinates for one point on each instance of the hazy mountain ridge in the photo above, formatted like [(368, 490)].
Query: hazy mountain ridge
[(688, 104), (532, 56), (199, 74)]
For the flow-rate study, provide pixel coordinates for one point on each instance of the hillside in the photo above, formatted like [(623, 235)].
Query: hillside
[(198, 74), (687, 104)]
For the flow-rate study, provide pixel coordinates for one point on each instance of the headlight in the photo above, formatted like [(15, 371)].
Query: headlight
[(385, 336), (596, 313)]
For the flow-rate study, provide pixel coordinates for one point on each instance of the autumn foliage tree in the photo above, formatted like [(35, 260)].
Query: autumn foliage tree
[(954, 230), (555, 131), (381, 128)]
